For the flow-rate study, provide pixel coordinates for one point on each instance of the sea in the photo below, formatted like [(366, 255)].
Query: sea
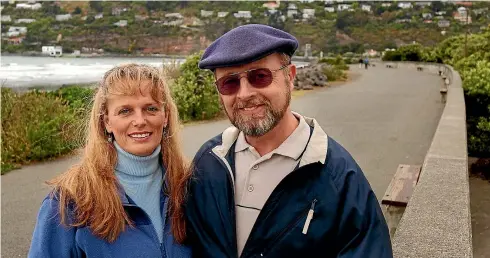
[(26, 72)]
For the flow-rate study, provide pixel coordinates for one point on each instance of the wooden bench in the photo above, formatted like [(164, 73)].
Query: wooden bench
[(398, 194)]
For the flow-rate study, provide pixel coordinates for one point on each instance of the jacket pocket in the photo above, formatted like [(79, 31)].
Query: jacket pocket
[(303, 221)]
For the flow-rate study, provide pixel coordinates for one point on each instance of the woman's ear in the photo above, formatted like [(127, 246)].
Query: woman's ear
[(107, 125)]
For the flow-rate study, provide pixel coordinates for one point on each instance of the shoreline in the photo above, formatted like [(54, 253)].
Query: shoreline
[(94, 55)]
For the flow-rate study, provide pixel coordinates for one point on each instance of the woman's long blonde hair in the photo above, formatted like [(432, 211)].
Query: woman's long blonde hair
[(91, 186)]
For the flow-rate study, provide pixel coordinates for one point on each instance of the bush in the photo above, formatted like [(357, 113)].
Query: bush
[(333, 73), (35, 126), (194, 92), (414, 53), (338, 62), (76, 97), (392, 56), (477, 90)]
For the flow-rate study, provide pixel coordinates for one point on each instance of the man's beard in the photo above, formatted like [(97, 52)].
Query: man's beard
[(258, 126)]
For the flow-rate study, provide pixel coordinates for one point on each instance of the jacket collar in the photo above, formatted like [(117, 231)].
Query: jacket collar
[(316, 150)]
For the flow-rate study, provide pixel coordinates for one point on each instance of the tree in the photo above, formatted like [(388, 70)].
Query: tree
[(49, 8), (96, 5), (77, 10), (90, 19)]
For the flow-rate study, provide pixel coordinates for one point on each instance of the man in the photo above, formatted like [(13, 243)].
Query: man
[(274, 184)]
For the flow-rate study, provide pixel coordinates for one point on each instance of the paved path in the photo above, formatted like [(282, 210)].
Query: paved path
[(384, 118)]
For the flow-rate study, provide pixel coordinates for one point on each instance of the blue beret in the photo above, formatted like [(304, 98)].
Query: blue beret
[(246, 44)]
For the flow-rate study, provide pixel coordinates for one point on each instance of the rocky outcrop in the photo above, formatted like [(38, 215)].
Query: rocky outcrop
[(310, 76)]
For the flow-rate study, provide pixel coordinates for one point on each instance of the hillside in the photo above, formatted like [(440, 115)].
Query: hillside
[(182, 27)]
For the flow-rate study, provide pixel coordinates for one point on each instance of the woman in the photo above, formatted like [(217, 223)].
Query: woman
[(123, 197)]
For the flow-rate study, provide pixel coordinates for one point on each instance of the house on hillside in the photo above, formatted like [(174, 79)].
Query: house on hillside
[(16, 40), (366, 8), (423, 4), (205, 13), (330, 9), (344, 7), (63, 17), (441, 13), (52, 50), (428, 21), (99, 16), (272, 4), (5, 18), (25, 20), (371, 53), (308, 14), (443, 23), (116, 11), (140, 17), (465, 3), (427, 15), (403, 20), (464, 19), (121, 23), (222, 14), (292, 10), (243, 14), (405, 5), (462, 11), (174, 15), (386, 4), (16, 31), (36, 6)]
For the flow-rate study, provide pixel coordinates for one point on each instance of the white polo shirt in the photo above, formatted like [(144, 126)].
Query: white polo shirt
[(256, 177)]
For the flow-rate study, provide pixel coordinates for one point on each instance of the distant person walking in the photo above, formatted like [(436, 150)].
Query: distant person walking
[(366, 63), (360, 63)]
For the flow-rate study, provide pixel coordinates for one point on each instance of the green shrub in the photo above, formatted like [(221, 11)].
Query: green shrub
[(333, 73), (476, 86), (194, 92), (392, 56), (337, 61), (36, 126), (479, 137), (76, 97)]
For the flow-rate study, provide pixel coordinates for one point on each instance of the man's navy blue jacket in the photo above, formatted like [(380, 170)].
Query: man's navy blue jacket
[(347, 220)]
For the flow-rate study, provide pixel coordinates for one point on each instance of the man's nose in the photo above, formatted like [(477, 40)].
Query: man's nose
[(246, 89)]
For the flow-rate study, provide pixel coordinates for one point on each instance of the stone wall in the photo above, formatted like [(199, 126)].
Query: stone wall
[(437, 220)]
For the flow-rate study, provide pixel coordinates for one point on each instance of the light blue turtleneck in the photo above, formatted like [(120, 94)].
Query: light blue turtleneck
[(142, 178)]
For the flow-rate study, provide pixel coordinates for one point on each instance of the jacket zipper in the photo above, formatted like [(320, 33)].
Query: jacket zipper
[(309, 217), (225, 163)]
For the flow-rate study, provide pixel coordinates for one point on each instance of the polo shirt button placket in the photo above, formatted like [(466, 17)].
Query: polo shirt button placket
[(250, 188)]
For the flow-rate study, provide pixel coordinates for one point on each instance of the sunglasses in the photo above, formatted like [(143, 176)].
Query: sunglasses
[(258, 78)]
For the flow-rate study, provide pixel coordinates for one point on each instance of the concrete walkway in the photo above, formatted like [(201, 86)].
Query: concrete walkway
[(384, 118)]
